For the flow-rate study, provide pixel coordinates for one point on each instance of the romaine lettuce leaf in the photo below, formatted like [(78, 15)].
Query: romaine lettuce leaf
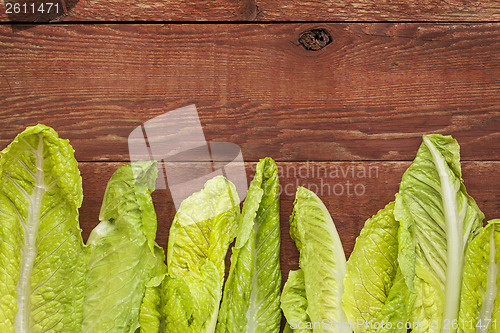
[(200, 235), (41, 262), (438, 219), (294, 303), (151, 319), (122, 254), (480, 304), (396, 312), (375, 290), (179, 305), (192, 301), (203, 227), (322, 261), (251, 301)]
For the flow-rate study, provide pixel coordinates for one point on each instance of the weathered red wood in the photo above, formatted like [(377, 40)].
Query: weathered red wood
[(288, 10), (368, 95), (155, 10), (391, 10)]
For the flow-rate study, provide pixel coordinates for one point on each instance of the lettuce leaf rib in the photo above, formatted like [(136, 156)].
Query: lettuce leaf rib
[(480, 304), (40, 239), (438, 219)]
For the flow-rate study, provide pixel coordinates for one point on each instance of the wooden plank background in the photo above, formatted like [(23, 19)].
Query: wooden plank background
[(363, 100), (272, 11), (368, 95)]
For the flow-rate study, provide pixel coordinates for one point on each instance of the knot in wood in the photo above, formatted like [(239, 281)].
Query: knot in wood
[(315, 39)]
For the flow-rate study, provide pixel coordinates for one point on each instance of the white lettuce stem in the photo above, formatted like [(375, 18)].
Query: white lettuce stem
[(252, 307), (454, 234), (29, 251), (491, 288)]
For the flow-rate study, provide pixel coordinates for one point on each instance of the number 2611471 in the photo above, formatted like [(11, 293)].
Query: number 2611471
[(31, 8)]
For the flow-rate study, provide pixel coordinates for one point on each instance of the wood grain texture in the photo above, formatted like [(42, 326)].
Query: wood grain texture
[(373, 10), (152, 10), (288, 10), (368, 95), (348, 209)]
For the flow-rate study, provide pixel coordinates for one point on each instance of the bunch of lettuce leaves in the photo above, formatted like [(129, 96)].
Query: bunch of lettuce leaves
[(119, 282), (424, 262), (50, 281), (203, 228)]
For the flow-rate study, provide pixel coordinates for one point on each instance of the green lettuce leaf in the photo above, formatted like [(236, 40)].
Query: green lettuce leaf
[(396, 312), (375, 290), (122, 254), (322, 261), (41, 261), (192, 301), (151, 319), (294, 303), (179, 305), (251, 301), (480, 304), (438, 219), (200, 235)]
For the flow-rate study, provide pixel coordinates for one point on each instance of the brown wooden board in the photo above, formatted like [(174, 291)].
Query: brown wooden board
[(269, 10), (368, 95), (373, 10), (153, 10), (376, 184)]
